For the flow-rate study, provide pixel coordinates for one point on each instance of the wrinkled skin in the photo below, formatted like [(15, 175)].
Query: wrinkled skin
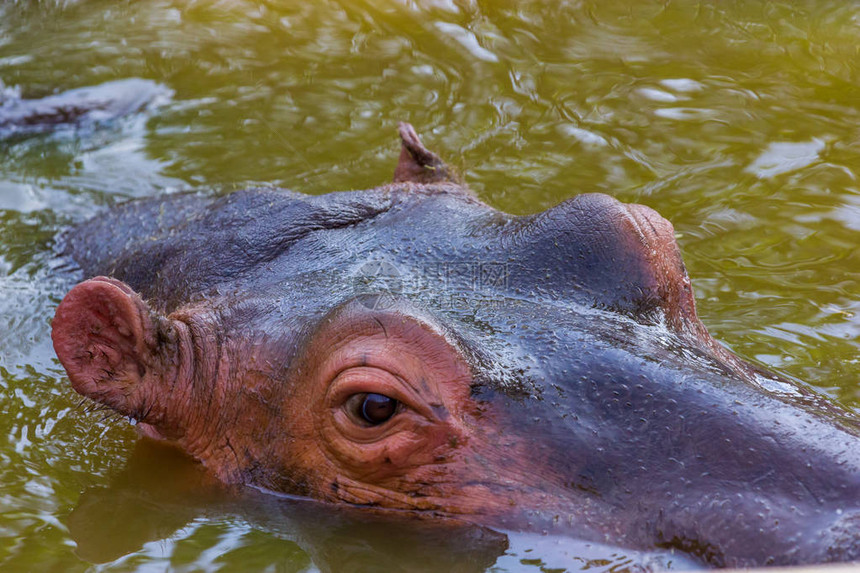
[(77, 108), (548, 370)]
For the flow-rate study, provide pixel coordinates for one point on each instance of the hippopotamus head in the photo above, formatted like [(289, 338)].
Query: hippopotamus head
[(409, 347)]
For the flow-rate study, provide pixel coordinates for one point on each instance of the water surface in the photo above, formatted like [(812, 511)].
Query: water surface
[(738, 121)]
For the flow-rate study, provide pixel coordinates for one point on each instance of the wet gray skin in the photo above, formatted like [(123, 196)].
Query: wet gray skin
[(77, 108), (579, 327)]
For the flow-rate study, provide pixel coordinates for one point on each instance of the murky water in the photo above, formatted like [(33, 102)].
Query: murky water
[(739, 122)]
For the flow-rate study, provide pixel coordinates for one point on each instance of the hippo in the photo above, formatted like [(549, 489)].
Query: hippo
[(411, 349), (76, 108)]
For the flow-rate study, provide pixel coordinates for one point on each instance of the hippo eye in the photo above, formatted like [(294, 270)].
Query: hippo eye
[(372, 409)]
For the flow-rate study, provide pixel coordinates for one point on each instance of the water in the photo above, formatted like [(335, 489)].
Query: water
[(737, 121)]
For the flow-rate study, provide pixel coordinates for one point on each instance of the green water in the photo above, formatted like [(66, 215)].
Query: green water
[(738, 121)]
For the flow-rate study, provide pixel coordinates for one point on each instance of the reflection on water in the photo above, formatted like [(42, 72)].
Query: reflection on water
[(738, 122), (287, 533), (171, 499), (781, 157)]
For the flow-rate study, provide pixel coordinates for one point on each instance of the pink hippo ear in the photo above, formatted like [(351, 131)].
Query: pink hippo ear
[(106, 337), (417, 164)]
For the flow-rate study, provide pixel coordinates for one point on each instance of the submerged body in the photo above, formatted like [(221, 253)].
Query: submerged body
[(76, 108), (410, 347)]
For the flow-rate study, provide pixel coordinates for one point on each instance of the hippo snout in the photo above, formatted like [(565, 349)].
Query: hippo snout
[(842, 539), (744, 530)]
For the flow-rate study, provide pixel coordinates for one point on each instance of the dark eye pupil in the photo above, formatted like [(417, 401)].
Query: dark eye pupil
[(377, 408)]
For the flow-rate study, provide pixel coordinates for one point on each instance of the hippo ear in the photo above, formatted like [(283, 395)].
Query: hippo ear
[(419, 165), (107, 338), (613, 255)]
